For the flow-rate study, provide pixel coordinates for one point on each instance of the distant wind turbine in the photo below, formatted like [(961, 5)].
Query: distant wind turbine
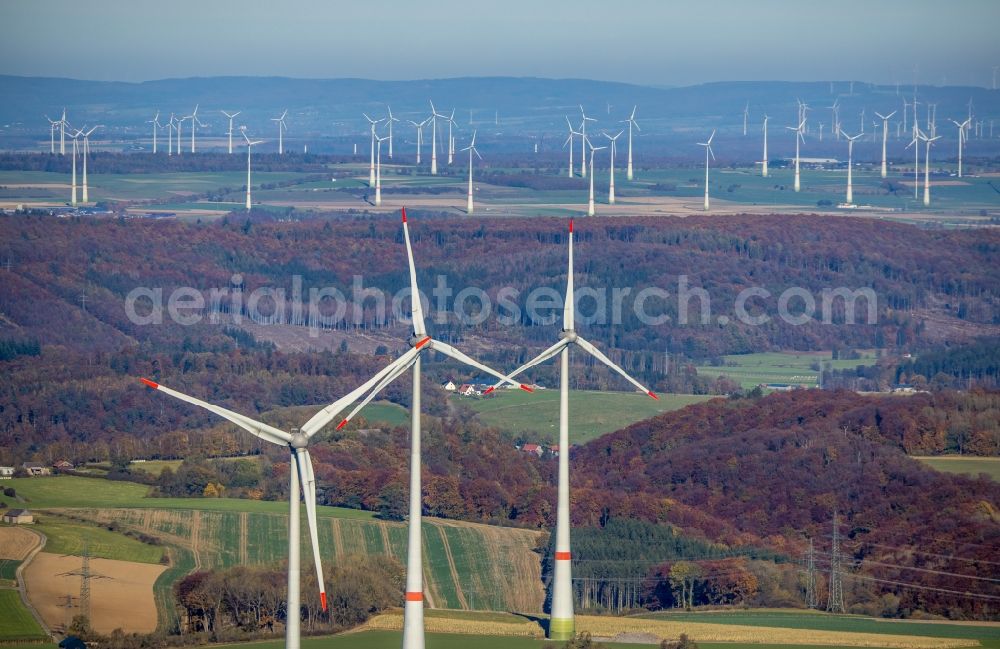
[(927, 168), (850, 164), (156, 125), (230, 131), (195, 122), (471, 149), (378, 171), (798, 140), (451, 138), (708, 151), (250, 145), (86, 154), (52, 134), (885, 139), (390, 120), (434, 155), (593, 149), (915, 143), (631, 122), (584, 141), (763, 168), (420, 134), (961, 141), (371, 165), (282, 127), (614, 148), (569, 140), (73, 195), (746, 116), (171, 125)]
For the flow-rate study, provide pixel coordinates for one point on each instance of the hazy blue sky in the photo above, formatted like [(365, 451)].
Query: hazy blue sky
[(656, 42)]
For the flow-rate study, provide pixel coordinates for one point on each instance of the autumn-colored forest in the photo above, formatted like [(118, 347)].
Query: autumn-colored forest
[(766, 473)]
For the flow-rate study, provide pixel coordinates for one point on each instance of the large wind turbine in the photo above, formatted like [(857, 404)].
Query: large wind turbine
[(390, 119), (614, 148), (378, 171), (301, 477), (86, 153), (180, 121), (282, 127), (195, 123), (763, 167), (593, 149), (631, 122), (156, 124), (885, 138), (434, 144), (961, 141), (371, 165), (250, 145), (584, 141), (927, 168), (420, 342), (230, 131), (471, 149), (561, 623), (798, 139), (708, 150), (850, 164)]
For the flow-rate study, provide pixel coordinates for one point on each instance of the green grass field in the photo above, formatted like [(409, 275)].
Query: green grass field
[(8, 569), (16, 623), (78, 492), (592, 414), (750, 370), (964, 464), (805, 619), (67, 537)]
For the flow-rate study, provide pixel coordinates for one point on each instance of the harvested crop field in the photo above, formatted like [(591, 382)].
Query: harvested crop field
[(123, 600), (16, 542), (467, 566)]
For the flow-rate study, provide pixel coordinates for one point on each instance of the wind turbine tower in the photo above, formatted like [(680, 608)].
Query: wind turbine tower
[(561, 621), (885, 139), (746, 116), (371, 165), (378, 171), (195, 123), (631, 123), (708, 150), (73, 195), (390, 119), (569, 141)]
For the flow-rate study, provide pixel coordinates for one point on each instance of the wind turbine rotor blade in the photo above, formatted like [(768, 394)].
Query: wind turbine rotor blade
[(256, 428), (327, 414), (541, 358), (307, 478), (599, 355), (461, 357), (402, 364), (416, 307)]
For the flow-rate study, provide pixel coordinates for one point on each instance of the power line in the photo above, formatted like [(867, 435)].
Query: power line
[(870, 562), (934, 554), (835, 602)]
